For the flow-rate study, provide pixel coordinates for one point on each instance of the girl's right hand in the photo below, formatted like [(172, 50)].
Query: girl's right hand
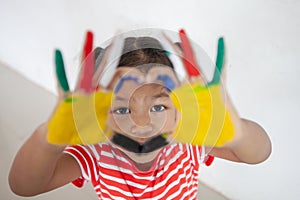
[(80, 115)]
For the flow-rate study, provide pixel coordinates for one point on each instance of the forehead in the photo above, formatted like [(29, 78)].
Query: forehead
[(139, 90), (146, 70), (137, 76)]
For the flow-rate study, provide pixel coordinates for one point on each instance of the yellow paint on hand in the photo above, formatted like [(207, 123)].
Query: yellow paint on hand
[(204, 118)]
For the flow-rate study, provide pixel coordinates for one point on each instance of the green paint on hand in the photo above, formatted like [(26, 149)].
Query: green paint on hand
[(60, 71), (219, 62), (69, 100)]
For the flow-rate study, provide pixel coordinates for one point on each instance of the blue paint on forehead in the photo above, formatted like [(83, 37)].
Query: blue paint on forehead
[(167, 81), (122, 80)]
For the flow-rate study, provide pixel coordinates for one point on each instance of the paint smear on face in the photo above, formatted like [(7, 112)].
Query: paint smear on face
[(123, 79), (167, 81)]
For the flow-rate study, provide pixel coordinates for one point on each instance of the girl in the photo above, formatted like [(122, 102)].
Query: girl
[(141, 159)]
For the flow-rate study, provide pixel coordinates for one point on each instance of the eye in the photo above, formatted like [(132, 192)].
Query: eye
[(122, 111), (157, 108)]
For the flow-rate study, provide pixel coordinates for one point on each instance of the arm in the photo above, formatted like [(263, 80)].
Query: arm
[(40, 167), (251, 143)]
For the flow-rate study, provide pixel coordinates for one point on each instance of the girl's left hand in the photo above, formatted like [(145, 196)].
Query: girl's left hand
[(206, 118)]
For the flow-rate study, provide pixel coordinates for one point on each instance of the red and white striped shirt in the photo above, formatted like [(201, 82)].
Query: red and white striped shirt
[(173, 175)]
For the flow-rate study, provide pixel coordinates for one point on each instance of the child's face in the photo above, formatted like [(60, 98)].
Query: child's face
[(142, 107)]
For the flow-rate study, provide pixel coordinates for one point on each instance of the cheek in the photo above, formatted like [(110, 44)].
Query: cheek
[(118, 123), (171, 121), (111, 122), (165, 121)]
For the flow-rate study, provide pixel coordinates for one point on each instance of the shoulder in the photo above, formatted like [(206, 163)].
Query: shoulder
[(87, 157), (186, 151), (197, 154), (87, 151)]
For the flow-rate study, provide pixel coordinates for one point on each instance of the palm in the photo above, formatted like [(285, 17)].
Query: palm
[(204, 117), (80, 115)]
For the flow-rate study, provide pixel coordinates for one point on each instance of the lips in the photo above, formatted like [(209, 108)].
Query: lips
[(142, 131)]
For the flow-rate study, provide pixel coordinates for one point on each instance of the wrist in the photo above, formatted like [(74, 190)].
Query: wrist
[(41, 134)]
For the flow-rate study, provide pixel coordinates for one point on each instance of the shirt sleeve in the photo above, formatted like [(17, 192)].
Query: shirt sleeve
[(200, 156), (87, 160)]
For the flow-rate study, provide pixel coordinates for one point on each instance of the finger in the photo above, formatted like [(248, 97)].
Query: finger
[(99, 69), (224, 74), (60, 72), (88, 46), (219, 62), (189, 60), (175, 47), (174, 56), (98, 54), (85, 80), (109, 63)]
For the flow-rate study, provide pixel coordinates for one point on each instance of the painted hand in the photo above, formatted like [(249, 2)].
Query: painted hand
[(204, 120), (80, 116)]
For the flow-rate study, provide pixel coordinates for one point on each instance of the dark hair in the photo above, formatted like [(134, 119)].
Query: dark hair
[(143, 50), (138, 51)]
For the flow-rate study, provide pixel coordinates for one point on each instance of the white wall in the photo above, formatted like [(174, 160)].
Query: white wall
[(263, 45)]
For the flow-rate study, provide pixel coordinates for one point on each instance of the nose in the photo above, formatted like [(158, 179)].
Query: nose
[(140, 118), (141, 123), (142, 131)]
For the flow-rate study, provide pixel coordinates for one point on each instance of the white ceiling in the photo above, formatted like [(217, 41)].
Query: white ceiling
[(263, 52)]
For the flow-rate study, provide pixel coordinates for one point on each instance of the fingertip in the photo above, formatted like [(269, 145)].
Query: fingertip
[(58, 54), (88, 64), (59, 63), (88, 46), (60, 71), (221, 40), (182, 31), (189, 60), (89, 38), (220, 59), (220, 54), (89, 34)]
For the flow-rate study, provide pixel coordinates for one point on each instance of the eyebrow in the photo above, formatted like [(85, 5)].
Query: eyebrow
[(162, 94), (122, 80), (167, 81)]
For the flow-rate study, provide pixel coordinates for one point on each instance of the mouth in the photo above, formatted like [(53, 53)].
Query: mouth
[(140, 145)]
